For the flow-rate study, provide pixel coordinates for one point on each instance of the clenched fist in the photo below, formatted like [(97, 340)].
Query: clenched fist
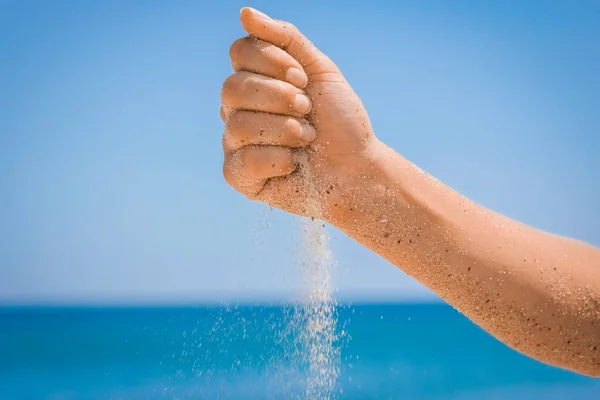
[(295, 132)]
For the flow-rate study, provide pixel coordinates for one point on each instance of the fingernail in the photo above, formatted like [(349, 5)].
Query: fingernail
[(296, 77), (307, 133), (259, 14), (302, 104)]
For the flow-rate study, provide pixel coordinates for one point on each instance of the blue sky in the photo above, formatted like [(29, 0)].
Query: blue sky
[(110, 158)]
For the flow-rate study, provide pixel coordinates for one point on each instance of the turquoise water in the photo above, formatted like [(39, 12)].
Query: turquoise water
[(387, 352)]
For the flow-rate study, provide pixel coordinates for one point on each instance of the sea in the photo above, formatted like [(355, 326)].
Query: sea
[(384, 351)]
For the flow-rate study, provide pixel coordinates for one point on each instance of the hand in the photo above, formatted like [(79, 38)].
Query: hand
[(296, 135)]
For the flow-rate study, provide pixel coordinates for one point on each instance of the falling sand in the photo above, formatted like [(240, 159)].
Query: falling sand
[(315, 315)]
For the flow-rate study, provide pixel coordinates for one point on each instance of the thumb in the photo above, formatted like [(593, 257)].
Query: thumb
[(289, 38)]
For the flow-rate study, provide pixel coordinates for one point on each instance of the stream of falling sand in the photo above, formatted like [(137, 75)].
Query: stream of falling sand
[(317, 311)]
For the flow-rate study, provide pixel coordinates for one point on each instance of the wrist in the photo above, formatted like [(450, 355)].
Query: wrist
[(369, 185), (387, 198)]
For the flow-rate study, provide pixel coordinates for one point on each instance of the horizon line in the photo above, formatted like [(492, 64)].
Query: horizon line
[(213, 303)]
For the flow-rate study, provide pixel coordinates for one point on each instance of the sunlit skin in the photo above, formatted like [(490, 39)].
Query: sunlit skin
[(288, 110)]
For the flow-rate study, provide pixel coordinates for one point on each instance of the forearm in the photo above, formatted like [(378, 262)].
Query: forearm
[(537, 292)]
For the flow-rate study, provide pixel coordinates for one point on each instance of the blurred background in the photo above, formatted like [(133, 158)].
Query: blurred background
[(111, 193)]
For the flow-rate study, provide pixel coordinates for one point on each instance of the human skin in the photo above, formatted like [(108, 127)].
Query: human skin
[(297, 135)]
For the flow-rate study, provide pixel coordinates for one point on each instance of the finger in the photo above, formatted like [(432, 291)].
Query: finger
[(253, 55), (248, 91), (238, 178), (263, 162), (247, 169), (289, 38), (245, 128)]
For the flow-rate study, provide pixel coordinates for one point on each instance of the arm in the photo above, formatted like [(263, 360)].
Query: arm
[(537, 292)]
